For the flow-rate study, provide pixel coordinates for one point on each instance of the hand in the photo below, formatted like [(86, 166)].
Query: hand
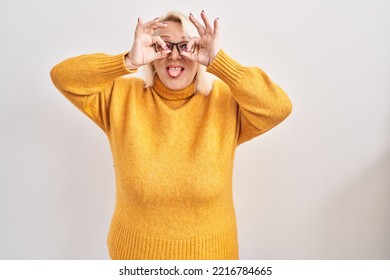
[(142, 51), (207, 44)]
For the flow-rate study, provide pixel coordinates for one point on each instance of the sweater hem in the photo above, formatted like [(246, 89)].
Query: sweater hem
[(126, 244)]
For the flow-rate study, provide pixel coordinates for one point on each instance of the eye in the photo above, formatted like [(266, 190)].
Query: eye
[(169, 45), (183, 46)]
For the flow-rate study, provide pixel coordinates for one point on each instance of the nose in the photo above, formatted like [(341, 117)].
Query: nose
[(174, 54)]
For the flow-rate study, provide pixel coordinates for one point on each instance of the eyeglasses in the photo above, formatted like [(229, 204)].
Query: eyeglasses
[(181, 46)]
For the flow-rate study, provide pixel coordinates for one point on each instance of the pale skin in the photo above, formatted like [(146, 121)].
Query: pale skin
[(155, 32)]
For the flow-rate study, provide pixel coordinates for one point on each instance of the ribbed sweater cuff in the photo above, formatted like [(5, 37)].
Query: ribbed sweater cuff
[(226, 68), (114, 66)]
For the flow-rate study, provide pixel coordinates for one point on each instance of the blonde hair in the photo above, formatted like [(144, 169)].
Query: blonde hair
[(203, 80)]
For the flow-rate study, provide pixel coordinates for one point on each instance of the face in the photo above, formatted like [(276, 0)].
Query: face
[(175, 71)]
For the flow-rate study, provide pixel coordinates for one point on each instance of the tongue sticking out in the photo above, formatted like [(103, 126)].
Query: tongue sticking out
[(174, 72)]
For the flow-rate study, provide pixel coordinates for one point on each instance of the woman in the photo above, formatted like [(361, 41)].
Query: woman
[(173, 136)]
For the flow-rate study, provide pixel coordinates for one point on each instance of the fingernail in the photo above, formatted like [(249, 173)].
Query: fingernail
[(191, 14), (138, 19), (202, 11)]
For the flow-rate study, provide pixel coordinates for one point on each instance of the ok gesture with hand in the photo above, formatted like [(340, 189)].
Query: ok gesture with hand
[(142, 51), (207, 44)]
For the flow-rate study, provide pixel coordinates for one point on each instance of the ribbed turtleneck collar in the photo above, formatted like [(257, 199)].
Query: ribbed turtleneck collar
[(170, 94)]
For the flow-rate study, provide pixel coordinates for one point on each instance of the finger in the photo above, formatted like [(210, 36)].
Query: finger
[(194, 41), (151, 23), (190, 56), (139, 25), (154, 25), (209, 28), (158, 40), (162, 54), (216, 27), (159, 25), (201, 29)]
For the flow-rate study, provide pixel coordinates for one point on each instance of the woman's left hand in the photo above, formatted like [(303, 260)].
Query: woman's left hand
[(207, 45)]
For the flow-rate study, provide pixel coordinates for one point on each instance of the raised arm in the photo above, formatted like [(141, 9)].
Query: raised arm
[(89, 74), (87, 80), (262, 104)]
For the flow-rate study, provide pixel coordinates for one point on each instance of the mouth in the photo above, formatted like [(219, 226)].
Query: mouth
[(175, 71)]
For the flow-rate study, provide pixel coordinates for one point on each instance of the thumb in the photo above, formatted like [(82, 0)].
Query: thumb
[(162, 54), (189, 55)]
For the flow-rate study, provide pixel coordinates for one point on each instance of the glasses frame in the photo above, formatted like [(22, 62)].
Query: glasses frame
[(173, 45)]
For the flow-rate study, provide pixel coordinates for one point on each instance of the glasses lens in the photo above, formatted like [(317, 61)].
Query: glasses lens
[(158, 48), (169, 45), (182, 46)]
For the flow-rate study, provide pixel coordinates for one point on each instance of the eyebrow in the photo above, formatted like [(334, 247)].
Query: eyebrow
[(168, 37)]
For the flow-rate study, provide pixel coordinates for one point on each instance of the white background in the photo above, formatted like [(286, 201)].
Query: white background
[(315, 187)]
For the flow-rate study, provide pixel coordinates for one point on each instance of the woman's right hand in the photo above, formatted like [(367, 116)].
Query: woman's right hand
[(142, 51)]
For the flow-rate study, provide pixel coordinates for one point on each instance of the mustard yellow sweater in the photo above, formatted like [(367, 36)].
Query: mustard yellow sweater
[(173, 151)]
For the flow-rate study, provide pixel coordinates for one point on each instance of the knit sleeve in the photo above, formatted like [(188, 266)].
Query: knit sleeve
[(262, 103), (88, 80)]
